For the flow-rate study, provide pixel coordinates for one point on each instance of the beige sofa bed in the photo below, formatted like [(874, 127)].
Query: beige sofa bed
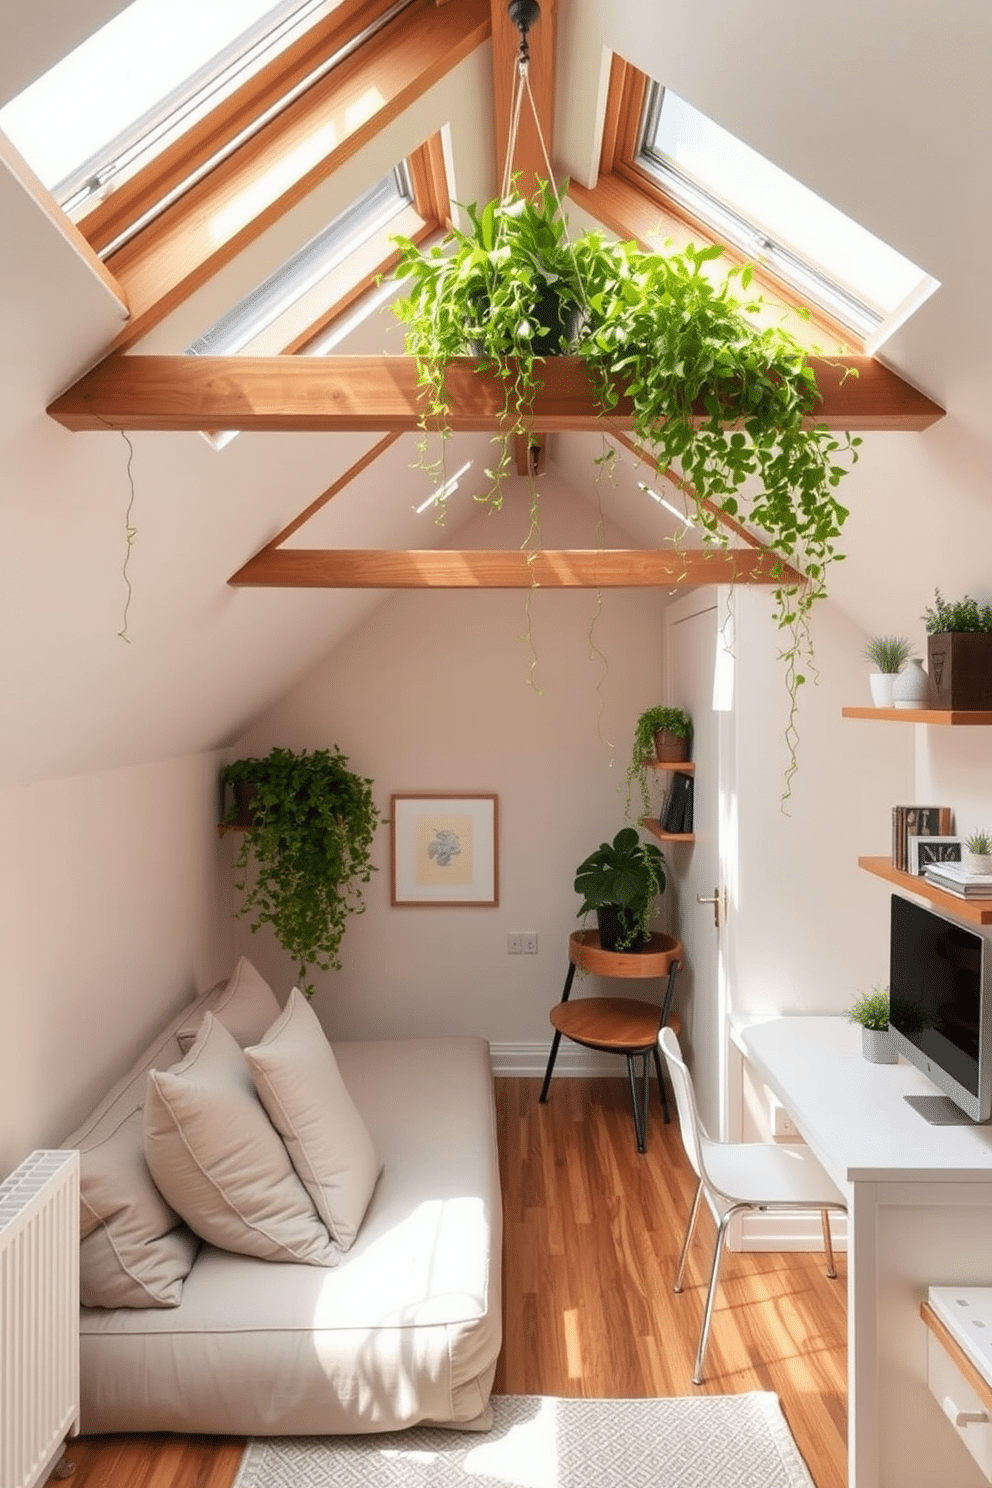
[(398, 1325)]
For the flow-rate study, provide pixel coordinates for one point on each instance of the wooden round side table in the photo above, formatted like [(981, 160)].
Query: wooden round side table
[(618, 1025)]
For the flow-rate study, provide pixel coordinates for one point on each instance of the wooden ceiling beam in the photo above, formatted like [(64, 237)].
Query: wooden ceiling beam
[(528, 162), (381, 395), (514, 568)]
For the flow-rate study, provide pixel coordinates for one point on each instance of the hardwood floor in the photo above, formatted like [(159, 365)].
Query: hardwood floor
[(592, 1231)]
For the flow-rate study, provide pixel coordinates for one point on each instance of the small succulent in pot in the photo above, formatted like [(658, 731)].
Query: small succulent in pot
[(888, 652), (977, 852)]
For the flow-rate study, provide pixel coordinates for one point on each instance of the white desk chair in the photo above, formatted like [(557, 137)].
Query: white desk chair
[(736, 1176)]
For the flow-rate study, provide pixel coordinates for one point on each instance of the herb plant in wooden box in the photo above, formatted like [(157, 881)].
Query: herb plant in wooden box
[(959, 653)]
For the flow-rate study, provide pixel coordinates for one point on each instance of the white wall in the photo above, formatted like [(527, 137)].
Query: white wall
[(432, 693), (109, 921), (807, 928)]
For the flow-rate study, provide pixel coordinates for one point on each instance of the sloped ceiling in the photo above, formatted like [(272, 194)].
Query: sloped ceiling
[(882, 112)]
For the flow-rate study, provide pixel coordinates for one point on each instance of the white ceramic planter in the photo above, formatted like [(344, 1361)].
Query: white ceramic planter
[(876, 1046), (881, 688), (911, 687), (973, 862)]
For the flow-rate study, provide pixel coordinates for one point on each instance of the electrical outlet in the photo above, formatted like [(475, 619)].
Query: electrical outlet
[(514, 943), (783, 1126), (529, 938)]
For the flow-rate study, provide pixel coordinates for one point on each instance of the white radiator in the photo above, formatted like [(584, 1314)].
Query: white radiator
[(39, 1315)]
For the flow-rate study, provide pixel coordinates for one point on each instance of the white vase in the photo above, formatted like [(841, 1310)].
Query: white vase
[(911, 688), (973, 862), (881, 688), (876, 1046)]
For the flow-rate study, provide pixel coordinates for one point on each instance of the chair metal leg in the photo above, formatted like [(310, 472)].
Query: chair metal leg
[(828, 1244), (704, 1336), (639, 1102), (661, 1083), (687, 1240)]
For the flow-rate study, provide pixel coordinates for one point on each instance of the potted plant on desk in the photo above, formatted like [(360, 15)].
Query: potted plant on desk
[(621, 881), (871, 1010)]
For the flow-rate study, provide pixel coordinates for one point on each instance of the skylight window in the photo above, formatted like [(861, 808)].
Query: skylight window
[(752, 205), (272, 300), (143, 78)]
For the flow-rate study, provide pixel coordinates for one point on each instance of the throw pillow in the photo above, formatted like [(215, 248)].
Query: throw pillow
[(134, 1250), (245, 1004), (220, 1163), (300, 1085)]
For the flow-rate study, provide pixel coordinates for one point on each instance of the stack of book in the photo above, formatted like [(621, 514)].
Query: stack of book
[(676, 813), (954, 879)]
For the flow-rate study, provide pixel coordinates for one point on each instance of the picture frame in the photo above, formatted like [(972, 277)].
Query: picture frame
[(924, 851), (444, 849)]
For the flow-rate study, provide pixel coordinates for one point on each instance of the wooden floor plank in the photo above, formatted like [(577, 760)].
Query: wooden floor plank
[(592, 1231)]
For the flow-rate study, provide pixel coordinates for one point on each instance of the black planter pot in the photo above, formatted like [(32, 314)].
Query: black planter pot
[(244, 801), (562, 325), (616, 925)]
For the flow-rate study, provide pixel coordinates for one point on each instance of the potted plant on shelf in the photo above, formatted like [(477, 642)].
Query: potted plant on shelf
[(871, 1010), (663, 734), (959, 653), (620, 881), (728, 401), (977, 852), (888, 653), (309, 840)]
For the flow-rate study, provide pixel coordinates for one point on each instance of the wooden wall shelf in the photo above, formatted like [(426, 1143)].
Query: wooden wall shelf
[(976, 911), (650, 825), (955, 717), (684, 767)]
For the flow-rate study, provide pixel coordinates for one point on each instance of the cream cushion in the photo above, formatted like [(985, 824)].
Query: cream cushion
[(134, 1249), (220, 1163), (300, 1086), (245, 1004)]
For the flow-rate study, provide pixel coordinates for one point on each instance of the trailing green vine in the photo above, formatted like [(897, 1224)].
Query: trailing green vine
[(726, 401), (310, 839)]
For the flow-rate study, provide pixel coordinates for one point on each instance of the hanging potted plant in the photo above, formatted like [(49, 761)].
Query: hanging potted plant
[(729, 402), (621, 881), (663, 734), (309, 841)]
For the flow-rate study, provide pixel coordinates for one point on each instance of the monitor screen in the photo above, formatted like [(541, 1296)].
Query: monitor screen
[(937, 1002)]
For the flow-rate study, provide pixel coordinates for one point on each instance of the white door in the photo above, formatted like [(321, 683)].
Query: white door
[(694, 641)]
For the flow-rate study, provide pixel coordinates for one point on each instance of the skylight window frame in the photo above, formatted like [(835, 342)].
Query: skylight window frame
[(366, 225), (620, 151), (110, 221)]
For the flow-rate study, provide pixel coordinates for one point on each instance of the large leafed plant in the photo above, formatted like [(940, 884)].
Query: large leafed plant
[(310, 839)]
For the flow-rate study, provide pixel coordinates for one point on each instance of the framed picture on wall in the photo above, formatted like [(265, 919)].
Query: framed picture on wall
[(923, 851), (445, 850)]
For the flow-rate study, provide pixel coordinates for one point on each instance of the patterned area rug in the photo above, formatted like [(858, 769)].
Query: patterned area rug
[(710, 1441)]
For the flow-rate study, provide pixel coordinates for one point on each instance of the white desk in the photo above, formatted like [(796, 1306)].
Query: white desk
[(920, 1214)]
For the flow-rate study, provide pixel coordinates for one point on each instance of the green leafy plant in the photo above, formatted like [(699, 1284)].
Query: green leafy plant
[(957, 615), (625, 875), (871, 1010), (888, 652), (729, 402), (675, 721), (310, 842), (505, 290), (979, 842)]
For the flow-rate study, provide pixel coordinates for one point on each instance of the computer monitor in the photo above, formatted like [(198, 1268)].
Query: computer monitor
[(940, 1009)]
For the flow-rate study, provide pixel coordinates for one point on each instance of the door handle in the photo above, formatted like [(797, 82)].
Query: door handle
[(716, 899)]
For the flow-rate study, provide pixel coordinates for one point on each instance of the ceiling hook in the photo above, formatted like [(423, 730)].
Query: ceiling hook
[(523, 14)]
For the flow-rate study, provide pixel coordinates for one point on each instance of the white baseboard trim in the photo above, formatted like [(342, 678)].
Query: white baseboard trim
[(524, 1059), (788, 1232)]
